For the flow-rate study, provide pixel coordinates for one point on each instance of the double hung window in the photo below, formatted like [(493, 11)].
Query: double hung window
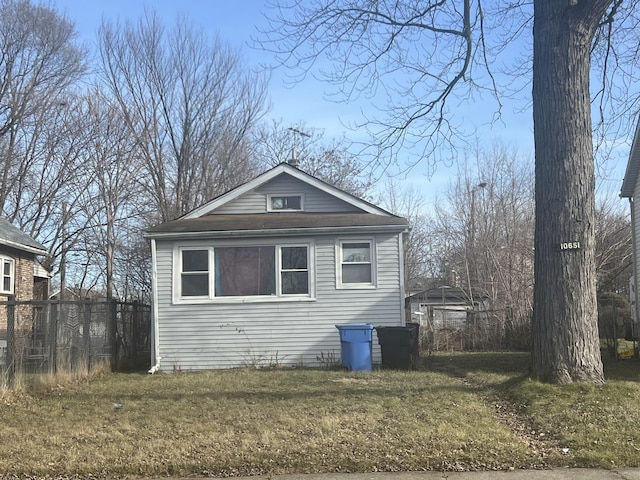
[(294, 270), (355, 260), (194, 276)]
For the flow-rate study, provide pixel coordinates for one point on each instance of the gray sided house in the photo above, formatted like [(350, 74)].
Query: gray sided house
[(631, 190), (261, 275)]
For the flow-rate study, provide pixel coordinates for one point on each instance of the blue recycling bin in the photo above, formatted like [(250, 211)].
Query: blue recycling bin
[(355, 345)]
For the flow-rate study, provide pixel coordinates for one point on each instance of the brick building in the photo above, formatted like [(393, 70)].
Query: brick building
[(21, 274)]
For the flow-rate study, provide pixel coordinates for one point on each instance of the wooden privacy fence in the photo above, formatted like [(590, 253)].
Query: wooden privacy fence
[(52, 335)]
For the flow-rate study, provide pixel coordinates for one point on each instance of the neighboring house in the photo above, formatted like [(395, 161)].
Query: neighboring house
[(79, 294), (450, 317), (21, 275), (261, 275), (631, 190)]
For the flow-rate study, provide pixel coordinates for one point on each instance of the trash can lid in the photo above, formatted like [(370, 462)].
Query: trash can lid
[(355, 326), (398, 328)]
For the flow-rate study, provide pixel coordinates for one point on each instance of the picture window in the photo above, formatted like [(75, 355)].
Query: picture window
[(247, 271)]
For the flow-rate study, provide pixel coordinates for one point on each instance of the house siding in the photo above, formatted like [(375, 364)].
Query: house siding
[(225, 335), (635, 223), (315, 201)]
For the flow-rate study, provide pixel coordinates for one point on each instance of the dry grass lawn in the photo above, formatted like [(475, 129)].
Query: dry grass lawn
[(464, 411)]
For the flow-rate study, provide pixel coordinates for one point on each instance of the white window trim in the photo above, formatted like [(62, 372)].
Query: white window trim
[(374, 270), (280, 270), (277, 195), (12, 275), (211, 298), (178, 284)]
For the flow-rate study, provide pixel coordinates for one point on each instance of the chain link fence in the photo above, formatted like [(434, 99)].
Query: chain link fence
[(47, 336)]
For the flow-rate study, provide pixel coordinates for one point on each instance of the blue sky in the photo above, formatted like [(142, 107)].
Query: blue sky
[(236, 21)]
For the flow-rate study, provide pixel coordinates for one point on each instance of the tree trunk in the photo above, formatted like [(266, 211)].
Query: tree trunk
[(565, 328)]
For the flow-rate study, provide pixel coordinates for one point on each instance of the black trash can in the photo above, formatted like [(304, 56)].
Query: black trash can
[(399, 346)]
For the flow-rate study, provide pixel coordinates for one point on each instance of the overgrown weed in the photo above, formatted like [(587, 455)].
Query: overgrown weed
[(24, 384)]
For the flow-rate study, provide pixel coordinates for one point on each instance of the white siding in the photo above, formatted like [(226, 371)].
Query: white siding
[(224, 335), (315, 200)]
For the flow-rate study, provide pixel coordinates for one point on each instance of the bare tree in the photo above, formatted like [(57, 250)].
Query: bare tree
[(41, 135), (421, 250), (566, 346), (614, 265), (485, 228), (46, 194), (113, 203), (189, 102), (40, 60), (411, 56), (433, 50)]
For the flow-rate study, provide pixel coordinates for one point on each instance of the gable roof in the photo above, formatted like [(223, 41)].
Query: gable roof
[(13, 237), (284, 168), (204, 222), (633, 166)]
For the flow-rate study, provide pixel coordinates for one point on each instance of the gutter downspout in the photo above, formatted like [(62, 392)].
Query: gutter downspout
[(155, 348)]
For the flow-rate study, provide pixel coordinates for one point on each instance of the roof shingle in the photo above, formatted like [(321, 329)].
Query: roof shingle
[(16, 238), (276, 221)]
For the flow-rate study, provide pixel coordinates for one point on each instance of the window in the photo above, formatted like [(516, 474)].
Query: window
[(7, 268), (244, 271), (195, 273), (294, 271), (356, 265), (285, 202), (248, 271)]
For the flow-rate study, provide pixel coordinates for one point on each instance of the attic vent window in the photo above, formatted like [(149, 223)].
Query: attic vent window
[(288, 202)]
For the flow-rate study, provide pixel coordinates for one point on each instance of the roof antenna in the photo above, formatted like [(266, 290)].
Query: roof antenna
[(294, 151)]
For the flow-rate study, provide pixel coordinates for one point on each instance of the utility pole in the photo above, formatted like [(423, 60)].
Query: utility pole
[(472, 240), (63, 253)]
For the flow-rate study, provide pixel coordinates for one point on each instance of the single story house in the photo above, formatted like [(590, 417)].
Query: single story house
[(261, 275)]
